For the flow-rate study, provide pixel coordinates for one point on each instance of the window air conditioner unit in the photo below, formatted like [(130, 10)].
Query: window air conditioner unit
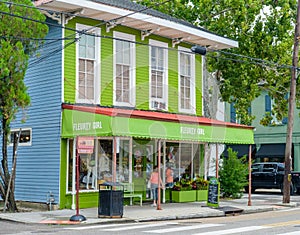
[(158, 105)]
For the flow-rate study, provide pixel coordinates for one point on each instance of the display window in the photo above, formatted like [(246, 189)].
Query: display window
[(96, 164), (123, 168), (183, 159), (128, 160)]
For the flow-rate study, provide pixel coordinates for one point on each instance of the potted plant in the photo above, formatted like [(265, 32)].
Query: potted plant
[(201, 187), (183, 191)]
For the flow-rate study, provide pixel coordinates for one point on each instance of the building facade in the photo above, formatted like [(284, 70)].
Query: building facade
[(117, 90), (270, 140)]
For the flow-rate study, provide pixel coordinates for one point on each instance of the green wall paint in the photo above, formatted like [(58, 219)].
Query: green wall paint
[(70, 65), (142, 68), (142, 77), (198, 82), (173, 81), (106, 71)]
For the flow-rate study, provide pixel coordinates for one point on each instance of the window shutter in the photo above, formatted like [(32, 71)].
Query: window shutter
[(232, 113), (285, 119), (267, 103)]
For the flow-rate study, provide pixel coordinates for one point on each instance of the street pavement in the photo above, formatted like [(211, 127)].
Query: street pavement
[(168, 211)]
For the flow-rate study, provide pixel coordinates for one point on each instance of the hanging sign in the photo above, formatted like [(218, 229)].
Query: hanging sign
[(85, 144)]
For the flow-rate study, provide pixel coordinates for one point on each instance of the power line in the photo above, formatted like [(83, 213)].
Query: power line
[(256, 60), (259, 61), (71, 29)]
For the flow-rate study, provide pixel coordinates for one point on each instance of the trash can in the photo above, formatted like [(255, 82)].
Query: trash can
[(110, 200)]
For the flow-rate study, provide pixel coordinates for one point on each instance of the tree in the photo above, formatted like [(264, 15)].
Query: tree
[(264, 30), (233, 175), (20, 26)]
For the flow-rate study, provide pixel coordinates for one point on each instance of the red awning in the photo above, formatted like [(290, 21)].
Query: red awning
[(153, 115)]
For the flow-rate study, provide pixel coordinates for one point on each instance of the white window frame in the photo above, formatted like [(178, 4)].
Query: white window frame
[(192, 110), (97, 68), (274, 119), (132, 64), (164, 99), (29, 143)]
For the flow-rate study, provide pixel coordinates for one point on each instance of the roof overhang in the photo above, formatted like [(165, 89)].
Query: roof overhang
[(165, 27)]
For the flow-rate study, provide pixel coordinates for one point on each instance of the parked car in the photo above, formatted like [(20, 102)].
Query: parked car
[(270, 175)]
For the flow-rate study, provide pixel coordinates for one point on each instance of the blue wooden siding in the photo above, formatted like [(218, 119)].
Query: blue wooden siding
[(38, 165)]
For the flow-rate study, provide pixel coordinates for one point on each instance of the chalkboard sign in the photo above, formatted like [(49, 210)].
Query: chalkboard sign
[(213, 192)]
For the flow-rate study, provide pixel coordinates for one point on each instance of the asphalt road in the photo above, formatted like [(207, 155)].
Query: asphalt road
[(283, 222)]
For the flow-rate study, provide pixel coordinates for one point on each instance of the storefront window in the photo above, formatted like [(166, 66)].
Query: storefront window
[(123, 161), (134, 161), (184, 159), (105, 154), (87, 163), (71, 159), (197, 161), (143, 158), (172, 159)]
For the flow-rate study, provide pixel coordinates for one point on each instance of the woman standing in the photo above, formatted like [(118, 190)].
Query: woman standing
[(155, 180)]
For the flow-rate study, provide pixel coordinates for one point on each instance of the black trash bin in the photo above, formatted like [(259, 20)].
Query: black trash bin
[(110, 200)]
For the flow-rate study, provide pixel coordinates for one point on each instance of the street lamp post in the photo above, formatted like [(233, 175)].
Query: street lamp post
[(287, 158)]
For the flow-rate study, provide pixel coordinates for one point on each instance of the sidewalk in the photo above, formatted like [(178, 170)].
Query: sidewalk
[(169, 211)]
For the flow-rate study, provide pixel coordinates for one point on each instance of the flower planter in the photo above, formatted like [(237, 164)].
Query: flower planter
[(202, 195), (184, 196)]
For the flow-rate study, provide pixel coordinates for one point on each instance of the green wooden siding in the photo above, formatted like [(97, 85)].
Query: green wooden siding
[(198, 82), (142, 68), (70, 65), (142, 77), (106, 71), (173, 81)]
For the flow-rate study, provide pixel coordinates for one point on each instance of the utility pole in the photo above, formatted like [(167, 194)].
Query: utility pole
[(289, 140)]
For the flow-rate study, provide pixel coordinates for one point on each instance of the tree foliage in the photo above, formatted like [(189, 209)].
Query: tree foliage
[(264, 30), (233, 175), (20, 26)]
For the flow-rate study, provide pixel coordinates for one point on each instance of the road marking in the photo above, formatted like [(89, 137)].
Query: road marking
[(137, 226), (98, 226), (291, 233), (232, 231), (282, 224), (183, 228)]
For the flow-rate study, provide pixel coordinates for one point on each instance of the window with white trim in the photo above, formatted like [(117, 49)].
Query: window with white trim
[(158, 75), (124, 63), (88, 62), (25, 137), (269, 103), (186, 82)]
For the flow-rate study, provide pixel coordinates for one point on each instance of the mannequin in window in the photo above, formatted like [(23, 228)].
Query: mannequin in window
[(91, 167), (103, 164), (171, 155)]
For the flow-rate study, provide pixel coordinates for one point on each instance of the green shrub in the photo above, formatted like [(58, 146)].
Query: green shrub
[(233, 175)]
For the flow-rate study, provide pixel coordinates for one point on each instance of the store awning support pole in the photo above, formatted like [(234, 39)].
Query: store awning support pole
[(217, 162), (159, 176), (77, 216), (249, 173)]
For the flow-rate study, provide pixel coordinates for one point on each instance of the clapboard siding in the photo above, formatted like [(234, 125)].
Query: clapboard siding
[(38, 165)]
